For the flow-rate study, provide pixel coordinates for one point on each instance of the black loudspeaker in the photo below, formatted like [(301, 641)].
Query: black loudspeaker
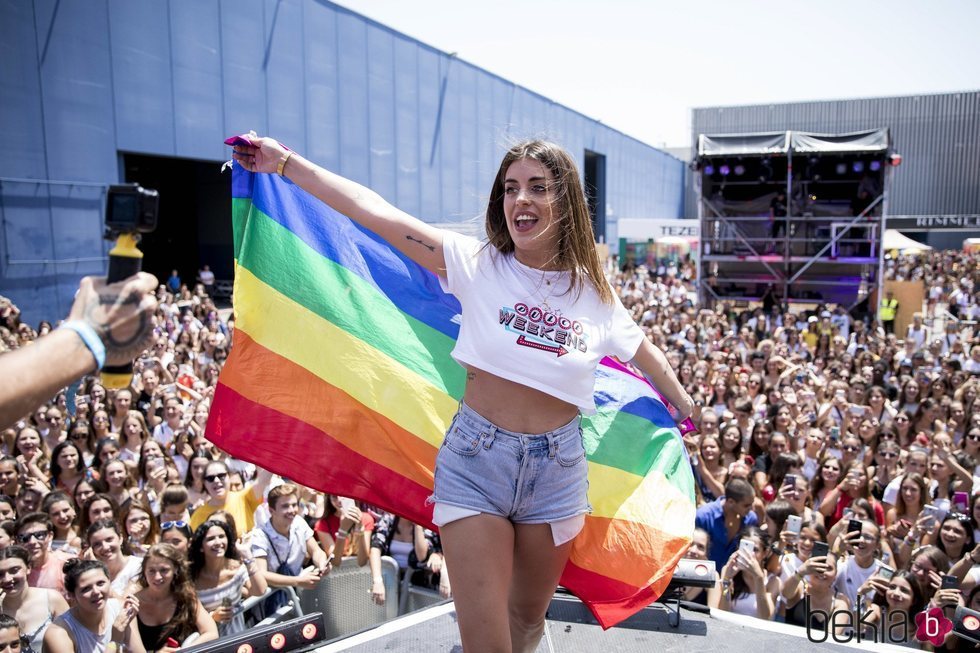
[(295, 634), (966, 624), (693, 573)]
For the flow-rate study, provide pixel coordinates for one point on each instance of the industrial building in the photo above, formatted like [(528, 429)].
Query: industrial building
[(108, 91)]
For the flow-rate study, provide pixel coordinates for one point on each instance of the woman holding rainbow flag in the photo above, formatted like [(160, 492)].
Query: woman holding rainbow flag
[(538, 316)]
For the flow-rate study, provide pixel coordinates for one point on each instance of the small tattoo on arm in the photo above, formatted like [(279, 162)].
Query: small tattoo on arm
[(431, 248)]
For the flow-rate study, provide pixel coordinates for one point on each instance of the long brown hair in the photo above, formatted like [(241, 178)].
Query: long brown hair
[(576, 246), (184, 621)]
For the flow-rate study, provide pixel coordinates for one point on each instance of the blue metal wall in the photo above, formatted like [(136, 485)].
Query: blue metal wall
[(82, 81)]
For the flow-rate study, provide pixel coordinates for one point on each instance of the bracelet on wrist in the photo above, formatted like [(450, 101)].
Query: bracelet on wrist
[(282, 162), (90, 338)]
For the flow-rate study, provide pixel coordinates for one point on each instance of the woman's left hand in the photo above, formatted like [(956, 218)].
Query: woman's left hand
[(262, 155)]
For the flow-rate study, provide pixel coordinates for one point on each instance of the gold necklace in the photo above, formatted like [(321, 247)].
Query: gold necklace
[(539, 283)]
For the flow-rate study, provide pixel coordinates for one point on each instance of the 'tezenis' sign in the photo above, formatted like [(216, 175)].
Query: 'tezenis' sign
[(961, 222)]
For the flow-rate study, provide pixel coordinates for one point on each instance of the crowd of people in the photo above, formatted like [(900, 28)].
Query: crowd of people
[(835, 461), (120, 522), (834, 466)]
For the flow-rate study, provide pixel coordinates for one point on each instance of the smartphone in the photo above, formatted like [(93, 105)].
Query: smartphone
[(226, 602), (346, 503), (835, 434), (840, 395), (790, 480), (885, 571), (794, 524), (949, 583), (820, 550), (800, 377), (854, 526), (748, 546), (932, 512), (857, 410), (962, 501)]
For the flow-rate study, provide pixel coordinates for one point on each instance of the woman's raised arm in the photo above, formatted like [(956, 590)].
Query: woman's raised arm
[(417, 240)]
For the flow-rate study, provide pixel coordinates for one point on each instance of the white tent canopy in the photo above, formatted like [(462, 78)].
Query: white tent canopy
[(896, 240)]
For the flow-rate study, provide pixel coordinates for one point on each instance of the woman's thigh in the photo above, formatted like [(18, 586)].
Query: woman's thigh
[(538, 564), (479, 558)]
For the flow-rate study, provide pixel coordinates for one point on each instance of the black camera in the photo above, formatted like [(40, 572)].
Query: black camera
[(130, 208)]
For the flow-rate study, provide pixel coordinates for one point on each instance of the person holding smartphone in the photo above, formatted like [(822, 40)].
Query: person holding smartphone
[(854, 485), (746, 587), (856, 572), (814, 580)]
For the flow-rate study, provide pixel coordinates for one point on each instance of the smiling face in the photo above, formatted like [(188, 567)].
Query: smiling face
[(62, 514), (116, 474), (710, 449), (28, 442), (730, 438), (530, 212), (159, 574), (100, 510), (215, 542), (899, 595), (953, 534), (830, 471), (92, 591), (106, 545), (13, 576)]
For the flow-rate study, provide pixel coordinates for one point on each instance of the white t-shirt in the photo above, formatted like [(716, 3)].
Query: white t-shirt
[(277, 549), (850, 576), (523, 325)]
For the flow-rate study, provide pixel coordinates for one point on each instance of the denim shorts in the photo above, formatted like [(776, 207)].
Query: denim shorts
[(529, 479)]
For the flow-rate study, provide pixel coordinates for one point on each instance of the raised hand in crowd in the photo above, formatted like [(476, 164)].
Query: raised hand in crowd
[(116, 318)]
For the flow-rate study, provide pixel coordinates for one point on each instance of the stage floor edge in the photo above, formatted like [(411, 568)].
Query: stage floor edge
[(572, 629)]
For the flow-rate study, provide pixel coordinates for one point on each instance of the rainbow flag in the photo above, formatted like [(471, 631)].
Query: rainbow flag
[(341, 379)]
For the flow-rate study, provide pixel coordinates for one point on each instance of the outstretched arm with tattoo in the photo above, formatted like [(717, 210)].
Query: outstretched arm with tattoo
[(415, 239), (119, 313)]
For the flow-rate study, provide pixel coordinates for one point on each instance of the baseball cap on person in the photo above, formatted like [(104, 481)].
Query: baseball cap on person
[(825, 314), (812, 318)]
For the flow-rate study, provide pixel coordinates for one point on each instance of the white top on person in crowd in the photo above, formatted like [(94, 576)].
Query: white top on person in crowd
[(525, 325)]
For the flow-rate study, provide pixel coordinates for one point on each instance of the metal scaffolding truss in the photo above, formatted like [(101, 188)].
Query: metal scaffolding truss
[(824, 242)]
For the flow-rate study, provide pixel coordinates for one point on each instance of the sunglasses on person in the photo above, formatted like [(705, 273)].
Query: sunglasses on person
[(211, 478), (24, 538), (886, 436), (167, 525), (973, 436), (851, 447), (888, 454)]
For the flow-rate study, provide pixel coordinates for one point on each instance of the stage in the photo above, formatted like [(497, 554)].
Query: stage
[(571, 629)]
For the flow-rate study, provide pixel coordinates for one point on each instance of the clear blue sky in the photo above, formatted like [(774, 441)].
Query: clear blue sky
[(640, 66)]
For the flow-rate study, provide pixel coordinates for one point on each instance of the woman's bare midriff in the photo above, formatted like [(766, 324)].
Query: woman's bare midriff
[(513, 406)]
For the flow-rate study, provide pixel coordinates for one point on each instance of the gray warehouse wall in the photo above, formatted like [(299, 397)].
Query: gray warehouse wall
[(85, 81)]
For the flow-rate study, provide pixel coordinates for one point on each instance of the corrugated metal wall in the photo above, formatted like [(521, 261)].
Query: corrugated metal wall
[(937, 135), (84, 80)]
